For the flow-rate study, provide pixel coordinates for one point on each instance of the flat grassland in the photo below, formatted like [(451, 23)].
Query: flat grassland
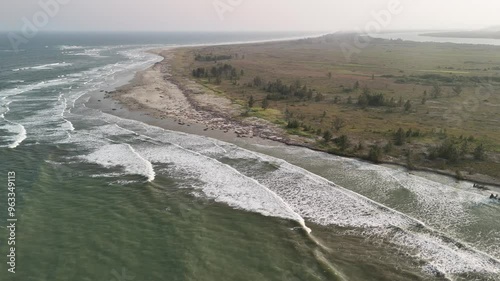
[(433, 105)]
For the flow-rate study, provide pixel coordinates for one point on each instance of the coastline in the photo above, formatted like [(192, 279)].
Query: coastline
[(158, 98)]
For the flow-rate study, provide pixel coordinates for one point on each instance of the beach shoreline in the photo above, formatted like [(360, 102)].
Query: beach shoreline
[(156, 97)]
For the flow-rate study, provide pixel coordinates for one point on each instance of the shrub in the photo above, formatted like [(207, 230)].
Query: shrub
[(375, 154), (327, 136), (293, 124), (479, 152), (400, 137), (342, 142)]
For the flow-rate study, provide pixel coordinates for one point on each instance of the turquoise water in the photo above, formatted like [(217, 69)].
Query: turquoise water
[(100, 197)]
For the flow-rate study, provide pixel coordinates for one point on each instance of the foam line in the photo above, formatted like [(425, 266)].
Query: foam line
[(122, 155), (43, 67), (21, 134), (225, 183), (150, 171), (295, 216)]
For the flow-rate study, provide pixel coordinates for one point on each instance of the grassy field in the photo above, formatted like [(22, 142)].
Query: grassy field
[(453, 92)]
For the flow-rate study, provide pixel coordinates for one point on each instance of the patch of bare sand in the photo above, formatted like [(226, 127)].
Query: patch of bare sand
[(155, 92)]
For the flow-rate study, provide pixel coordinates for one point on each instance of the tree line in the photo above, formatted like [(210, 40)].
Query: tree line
[(218, 72)]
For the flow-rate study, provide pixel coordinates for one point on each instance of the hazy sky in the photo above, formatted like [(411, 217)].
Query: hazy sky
[(253, 15)]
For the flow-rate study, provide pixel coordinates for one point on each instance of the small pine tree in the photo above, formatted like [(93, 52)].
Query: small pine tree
[(375, 154), (436, 91), (327, 136), (479, 152), (251, 102), (457, 89), (400, 137), (265, 104), (407, 106), (342, 142)]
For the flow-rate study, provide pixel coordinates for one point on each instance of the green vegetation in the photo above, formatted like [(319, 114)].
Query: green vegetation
[(212, 57), (416, 101)]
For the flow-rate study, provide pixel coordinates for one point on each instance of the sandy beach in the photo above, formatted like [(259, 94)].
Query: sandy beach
[(156, 94), (158, 98)]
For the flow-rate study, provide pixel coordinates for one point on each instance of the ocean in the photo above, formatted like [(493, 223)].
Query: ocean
[(101, 197)]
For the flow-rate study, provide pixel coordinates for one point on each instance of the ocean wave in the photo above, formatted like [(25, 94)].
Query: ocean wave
[(44, 66), (311, 197), (16, 134), (69, 47), (94, 52), (36, 86), (122, 155)]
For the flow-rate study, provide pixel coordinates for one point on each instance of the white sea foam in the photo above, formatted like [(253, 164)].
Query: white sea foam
[(315, 199), (221, 182), (31, 87), (91, 52), (17, 133), (44, 66), (122, 155), (21, 136), (18, 130), (70, 47)]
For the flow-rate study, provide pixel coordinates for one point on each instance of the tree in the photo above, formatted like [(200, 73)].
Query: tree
[(479, 152), (363, 101), (449, 150), (251, 102), (257, 81), (356, 85), (400, 137), (319, 97), (327, 136), (375, 154), (342, 142), (457, 89), (265, 104), (349, 100), (339, 123), (436, 91), (293, 124), (234, 74), (407, 105)]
